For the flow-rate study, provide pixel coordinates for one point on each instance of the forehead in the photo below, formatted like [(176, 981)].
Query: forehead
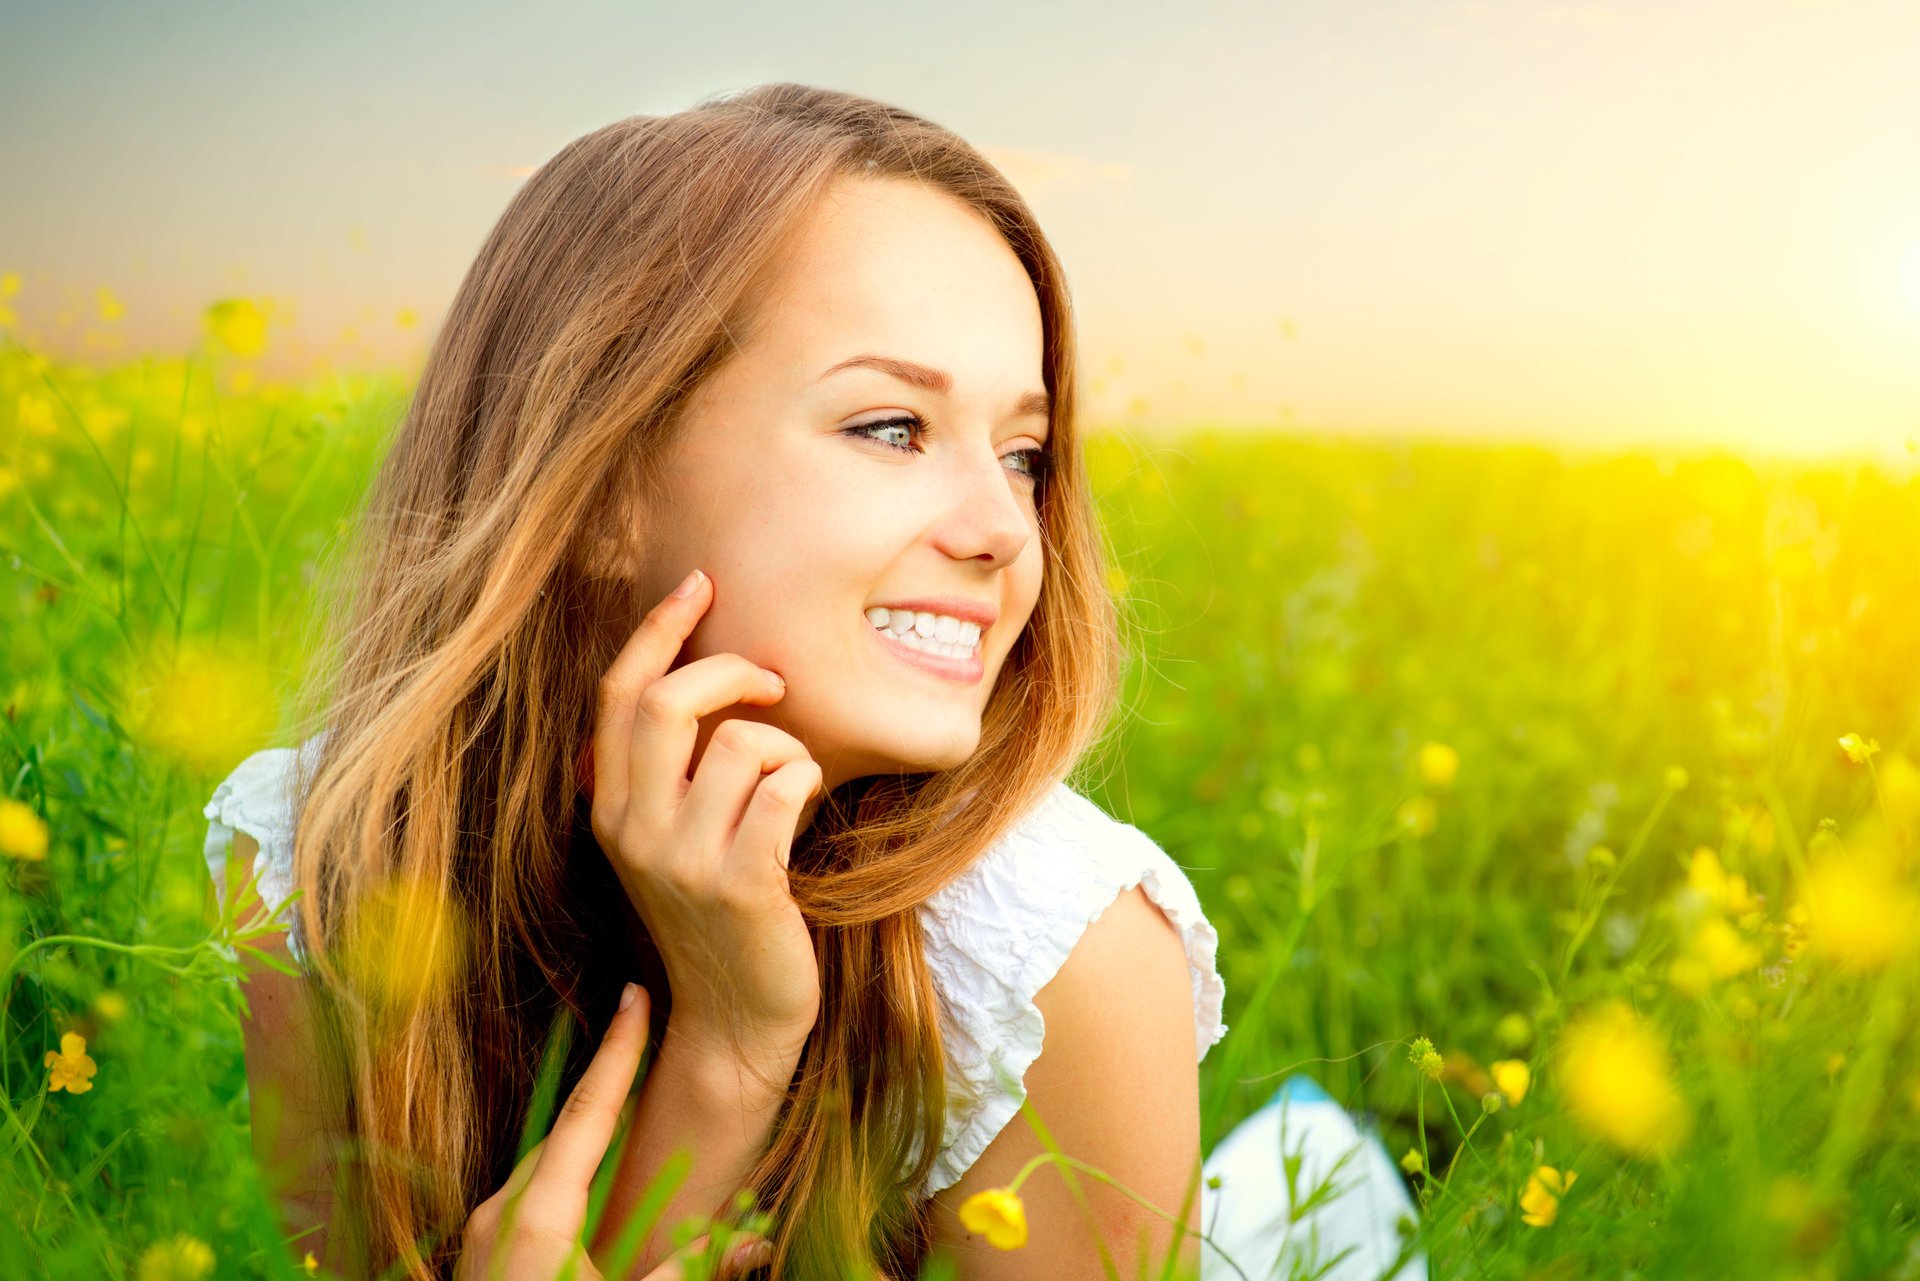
[(908, 270)]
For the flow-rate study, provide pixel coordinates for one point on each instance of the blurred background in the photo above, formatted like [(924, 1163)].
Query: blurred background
[(1505, 415), (1591, 222)]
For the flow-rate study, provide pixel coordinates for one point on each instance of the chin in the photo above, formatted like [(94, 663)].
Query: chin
[(920, 753)]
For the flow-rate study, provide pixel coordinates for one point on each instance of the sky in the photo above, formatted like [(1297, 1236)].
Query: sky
[(1690, 223)]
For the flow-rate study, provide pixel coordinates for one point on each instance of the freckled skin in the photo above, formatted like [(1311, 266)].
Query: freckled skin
[(802, 527)]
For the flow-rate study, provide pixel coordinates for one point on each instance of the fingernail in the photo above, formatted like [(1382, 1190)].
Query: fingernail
[(627, 994), (775, 679), (687, 588), (754, 1254)]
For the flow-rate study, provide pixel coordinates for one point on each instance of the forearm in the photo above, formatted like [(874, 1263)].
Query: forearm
[(719, 1109)]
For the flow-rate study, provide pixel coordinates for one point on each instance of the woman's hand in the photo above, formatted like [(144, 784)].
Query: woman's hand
[(529, 1230), (705, 860)]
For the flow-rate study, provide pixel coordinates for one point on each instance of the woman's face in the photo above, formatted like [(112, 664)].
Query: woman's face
[(807, 525)]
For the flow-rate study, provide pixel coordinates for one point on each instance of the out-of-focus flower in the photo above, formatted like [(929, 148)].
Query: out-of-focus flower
[(1438, 764), (9, 286), (1722, 948), (1615, 1074), (70, 1067), (997, 1214), (111, 308), (1900, 789), (1513, 1030), (1512, 1077), (34, 413), (1861, 914), (404, 944), (1675, 778), (1540, 1203), (1724, 890), (406, 318), (205, 705), (1417, 815), (239, 326), (1413, 1162), (180, 1258), (23, 833)]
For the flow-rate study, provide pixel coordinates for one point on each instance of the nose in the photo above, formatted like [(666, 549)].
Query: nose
[(986, 513)]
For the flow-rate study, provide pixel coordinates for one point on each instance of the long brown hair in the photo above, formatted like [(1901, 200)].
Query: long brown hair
[(488, 589)]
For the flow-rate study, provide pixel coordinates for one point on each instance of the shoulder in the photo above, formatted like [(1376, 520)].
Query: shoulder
[(1069, 880)]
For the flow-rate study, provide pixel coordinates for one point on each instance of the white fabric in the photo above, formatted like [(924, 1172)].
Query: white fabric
[(996, 934), (254, 799), (994, 937)]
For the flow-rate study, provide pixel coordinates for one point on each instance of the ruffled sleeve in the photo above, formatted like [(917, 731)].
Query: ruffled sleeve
[(997, 934), (254, 799)]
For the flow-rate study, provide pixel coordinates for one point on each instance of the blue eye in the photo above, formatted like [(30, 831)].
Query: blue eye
[(1039, 461)]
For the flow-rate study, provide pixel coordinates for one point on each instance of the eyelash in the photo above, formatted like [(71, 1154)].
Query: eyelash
[(1041, 459)]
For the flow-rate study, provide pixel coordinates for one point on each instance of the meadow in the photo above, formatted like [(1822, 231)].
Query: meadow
[(1557, 812)]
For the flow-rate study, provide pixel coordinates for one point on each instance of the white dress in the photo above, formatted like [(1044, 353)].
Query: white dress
[(994, 937)]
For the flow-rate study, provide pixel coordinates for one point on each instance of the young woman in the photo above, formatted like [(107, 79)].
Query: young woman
[(729, 612)]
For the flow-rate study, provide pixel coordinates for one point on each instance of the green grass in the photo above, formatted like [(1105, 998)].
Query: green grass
[(1306, 615)]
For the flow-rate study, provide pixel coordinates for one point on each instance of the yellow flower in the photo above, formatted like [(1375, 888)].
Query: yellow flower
[(238, 325), (1689, 975), (1438, 764), (1900, 789), (998, 1215), (1710, 880), (1722, 950), (34, 414), (1540, 1203), (23, 833), (1413, 1162), (1858, 749), (1417, 815), (1616, 1076), (9, 286), (1512, 1076), (205, 705), (111, 308), (1860, 913), (404, 944), (182, 1258), (310, 1265), (1676, 778), (72, 1069), (406, 318)]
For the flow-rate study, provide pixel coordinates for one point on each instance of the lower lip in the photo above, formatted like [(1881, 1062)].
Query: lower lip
[(964, 671)]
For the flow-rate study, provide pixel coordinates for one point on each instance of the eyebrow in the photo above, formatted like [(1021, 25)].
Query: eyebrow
[(938, 381)]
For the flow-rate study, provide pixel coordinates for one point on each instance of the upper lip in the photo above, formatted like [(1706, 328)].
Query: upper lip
[(967, 611)]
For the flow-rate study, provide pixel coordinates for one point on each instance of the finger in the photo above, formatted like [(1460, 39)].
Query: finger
[(646, 656), (666, 724), (574, 1147), (746, 1250), (773, 815), (739, 756)]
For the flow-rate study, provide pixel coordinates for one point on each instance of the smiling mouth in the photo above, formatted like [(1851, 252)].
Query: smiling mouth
[(965, 671), (935, 634)]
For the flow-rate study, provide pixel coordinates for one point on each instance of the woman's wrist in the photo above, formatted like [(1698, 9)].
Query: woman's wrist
[(725, 1073)]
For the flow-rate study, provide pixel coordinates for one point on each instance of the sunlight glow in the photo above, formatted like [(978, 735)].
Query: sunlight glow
[(1910, 274)]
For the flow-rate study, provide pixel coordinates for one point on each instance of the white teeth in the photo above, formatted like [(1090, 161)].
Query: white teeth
[(934, 633)]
